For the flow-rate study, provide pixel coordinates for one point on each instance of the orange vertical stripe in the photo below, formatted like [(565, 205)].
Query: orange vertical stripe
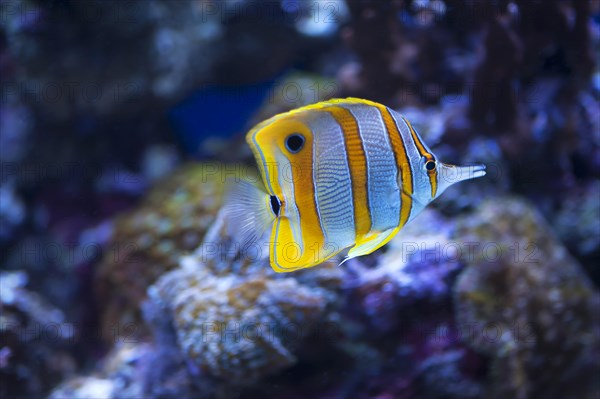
[(402, 163), (304, 196), (431, 173)]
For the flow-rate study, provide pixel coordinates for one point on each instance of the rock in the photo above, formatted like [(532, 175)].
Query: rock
[(526, 303), (34, 340), (418, 266), (150, 240), (576, 223), (239, 329)]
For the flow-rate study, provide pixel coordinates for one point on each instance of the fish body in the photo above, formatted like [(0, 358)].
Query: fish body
[(340, 174)]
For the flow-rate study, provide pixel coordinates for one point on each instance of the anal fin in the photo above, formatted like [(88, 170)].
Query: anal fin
[(372, 243)]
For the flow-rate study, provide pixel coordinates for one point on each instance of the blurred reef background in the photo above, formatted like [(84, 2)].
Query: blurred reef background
[(119, 122)]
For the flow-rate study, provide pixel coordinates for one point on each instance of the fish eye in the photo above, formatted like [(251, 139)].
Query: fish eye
[(294, 142), (430, 165), (275, 205)]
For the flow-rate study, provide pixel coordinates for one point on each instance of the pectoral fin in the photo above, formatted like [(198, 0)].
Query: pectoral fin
[(248, 212)]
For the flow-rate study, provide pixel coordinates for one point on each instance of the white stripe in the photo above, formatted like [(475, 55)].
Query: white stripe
[(287, 188), (314, 177), (414, 158), (382, 171), (332, 180)]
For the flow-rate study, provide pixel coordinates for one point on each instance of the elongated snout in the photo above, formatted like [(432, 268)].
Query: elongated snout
[(452, 174)]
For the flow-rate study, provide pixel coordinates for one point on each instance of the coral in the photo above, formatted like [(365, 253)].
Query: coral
[(441, 377), (238, 329), (507, 61), (521, 302), (147, 242), (532, 309), (295, 90), (85, 388), (170, 223), (493, 105), (374, 21), (12, 211), (34, 340), (577, 224), (120, 376), (170, 50), (15, 125), (134, 370), (399, 309), (97, 99), (418, 266), (221, 321), (177, 49)]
